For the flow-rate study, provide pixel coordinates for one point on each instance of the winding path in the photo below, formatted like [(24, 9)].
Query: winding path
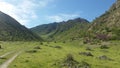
[(6, 63)]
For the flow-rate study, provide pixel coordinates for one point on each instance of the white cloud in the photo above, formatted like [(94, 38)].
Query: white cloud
[(22, 10), (62, 17)]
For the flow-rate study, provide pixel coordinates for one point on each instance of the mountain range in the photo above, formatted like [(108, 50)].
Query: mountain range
[(105, 27), (60, 31)]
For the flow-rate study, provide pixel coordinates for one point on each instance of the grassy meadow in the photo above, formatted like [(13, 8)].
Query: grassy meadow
[(62, 55)]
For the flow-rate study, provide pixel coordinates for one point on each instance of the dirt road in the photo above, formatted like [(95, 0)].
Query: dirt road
[(6, 63), (6, 54)]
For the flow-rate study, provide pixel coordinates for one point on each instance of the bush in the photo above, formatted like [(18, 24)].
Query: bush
[(55, 42), (70, 62), (0, 47), (37, 47), (86, 40), (104, 57), (69, 58), (41, 43), (104, 47), (86, 53), (84, 64), (64, 42), (103, 37), (31, 51), (59, 47), (89, 49)]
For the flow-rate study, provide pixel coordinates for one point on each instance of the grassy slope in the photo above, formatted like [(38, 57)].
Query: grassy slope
[(63, 30), (74, 33), (48, 56), (108, 23), (11, 30)]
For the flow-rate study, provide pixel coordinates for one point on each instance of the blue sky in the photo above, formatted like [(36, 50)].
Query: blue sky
[(36, 12)]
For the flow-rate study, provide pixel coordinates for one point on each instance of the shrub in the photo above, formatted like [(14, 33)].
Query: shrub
[(59, 47), (46, 45), (104, 47), (84, 64), (86, 53), (104, 57), (86, 40), (70, 62), (89, 49), (31, 51), (0, 46), (55, 42), (64, 42), (103, 37), (41, 43), (37, 47)]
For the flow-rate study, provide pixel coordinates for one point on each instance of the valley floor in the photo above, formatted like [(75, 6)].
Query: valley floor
[(60, 55)]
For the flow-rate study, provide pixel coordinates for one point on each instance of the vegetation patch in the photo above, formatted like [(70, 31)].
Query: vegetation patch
[(88, 49), (104, 47), (70, 62), (31, 51), (59, 47), (104, 57), (86, 53), (37, 47)]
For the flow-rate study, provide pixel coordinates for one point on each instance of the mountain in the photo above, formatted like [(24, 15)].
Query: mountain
[(45, 28), (61, 31), (11, 30), (107, 26)]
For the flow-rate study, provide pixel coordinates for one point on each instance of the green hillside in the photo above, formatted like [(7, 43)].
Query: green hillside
[(61, 31), (107, 26), (11, 30)]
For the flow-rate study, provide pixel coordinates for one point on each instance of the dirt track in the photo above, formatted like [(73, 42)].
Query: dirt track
[(6, 63), (6, 54)]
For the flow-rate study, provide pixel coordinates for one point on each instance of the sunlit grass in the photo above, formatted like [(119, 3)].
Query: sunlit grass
[(49, 56)]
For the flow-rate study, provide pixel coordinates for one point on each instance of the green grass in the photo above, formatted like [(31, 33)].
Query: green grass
[(50, 57)]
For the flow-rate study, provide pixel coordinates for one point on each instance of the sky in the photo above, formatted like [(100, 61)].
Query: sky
[(31, 13)]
